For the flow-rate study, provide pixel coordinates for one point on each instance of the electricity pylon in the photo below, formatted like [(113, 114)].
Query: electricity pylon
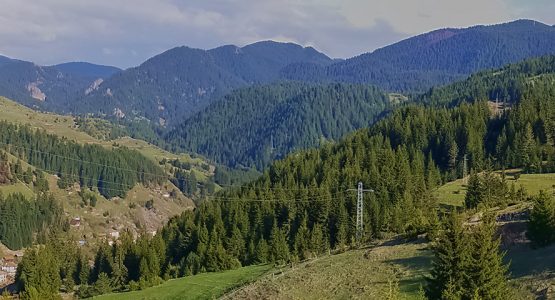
[(360, 211)]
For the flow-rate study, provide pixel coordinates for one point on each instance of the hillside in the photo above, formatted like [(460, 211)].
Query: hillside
[(202, 286), (50, 88), (107, 215), (257, 125), (181, 81), (395, 267), (176, 84), (86, 69), (437, 57), (303, 206)]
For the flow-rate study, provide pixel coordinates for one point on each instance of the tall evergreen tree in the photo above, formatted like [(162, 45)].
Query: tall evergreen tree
[(487, 273), (451, 260), (541, 227)]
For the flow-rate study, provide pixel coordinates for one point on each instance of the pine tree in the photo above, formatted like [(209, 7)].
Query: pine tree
[(474, 191), (279, 250), (526, 147), (261, 251), (487, 274), (541, 226), (451, 261), (102, 285)]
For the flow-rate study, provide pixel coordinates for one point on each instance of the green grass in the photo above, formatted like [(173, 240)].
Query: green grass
[(358, 274), (203, 286), (18, 187), (452, 193)]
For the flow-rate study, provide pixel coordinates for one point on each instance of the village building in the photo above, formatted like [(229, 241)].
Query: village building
[(75, 222)]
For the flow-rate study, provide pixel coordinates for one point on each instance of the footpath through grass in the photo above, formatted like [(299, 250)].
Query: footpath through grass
[(202, 286)]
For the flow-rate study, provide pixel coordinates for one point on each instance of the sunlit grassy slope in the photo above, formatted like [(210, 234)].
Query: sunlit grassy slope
[(360, 274), (452, 193), (202, 286)]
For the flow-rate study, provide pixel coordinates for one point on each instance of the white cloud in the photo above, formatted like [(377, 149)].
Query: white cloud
[(126, 32), (417, 16)]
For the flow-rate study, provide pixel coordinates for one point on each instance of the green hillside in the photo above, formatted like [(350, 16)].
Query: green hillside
[(202, 286), (453, 193), (257, 125)]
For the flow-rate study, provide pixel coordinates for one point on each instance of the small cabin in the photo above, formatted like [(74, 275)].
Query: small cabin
[(75, 222)]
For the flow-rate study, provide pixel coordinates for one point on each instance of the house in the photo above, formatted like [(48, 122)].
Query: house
[(8, 258), (82, 243), (9, 267), (114, 234), (75, 222), (3, 277)]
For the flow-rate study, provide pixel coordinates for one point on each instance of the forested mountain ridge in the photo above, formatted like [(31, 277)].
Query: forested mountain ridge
[(437, 57), (87, 69), (181, 81), (50, 88), (256, 125), (299, 207), (504, 86), (5, 60)]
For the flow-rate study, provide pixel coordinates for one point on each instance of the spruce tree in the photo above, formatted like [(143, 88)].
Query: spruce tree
[(541, 226), (487, 274), (279, 248), (450, 261), (474, 191)]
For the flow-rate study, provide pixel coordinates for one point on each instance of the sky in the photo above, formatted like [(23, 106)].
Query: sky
[(125, 33)]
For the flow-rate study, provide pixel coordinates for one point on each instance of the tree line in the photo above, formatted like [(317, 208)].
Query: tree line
[(113, 172), (299, 207), (257, 125)]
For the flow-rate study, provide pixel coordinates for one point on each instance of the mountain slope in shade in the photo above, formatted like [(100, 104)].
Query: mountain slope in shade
[(180, 82), (50, 88), (437, 57), (5, 60), (86, 69), (256, 125)]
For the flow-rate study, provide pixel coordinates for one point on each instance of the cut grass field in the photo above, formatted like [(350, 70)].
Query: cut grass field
[(202, 286), (453, 193)]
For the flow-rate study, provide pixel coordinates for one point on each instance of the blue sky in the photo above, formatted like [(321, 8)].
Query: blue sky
[(124, 33)]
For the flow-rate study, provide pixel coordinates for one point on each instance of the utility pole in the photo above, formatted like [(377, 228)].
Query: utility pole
[(360, 222), (465, 169)]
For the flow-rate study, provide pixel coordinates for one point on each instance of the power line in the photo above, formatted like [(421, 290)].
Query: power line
[(84, 161), (166, 177), (271, 188)]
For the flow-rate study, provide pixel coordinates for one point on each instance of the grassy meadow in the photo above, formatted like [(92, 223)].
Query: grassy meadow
[(202, 286)]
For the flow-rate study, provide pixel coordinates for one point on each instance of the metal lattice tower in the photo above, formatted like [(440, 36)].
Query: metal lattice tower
[(465, 169), (360, 211)]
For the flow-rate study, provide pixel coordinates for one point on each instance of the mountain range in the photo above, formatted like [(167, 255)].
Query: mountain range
[(50, 88), (174, 85), (437, 57), (188, 95)]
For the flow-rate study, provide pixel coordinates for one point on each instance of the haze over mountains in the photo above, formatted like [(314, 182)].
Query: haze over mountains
[(249, 156), (176, 84), (438, 57), (51, 88), (169, 90)]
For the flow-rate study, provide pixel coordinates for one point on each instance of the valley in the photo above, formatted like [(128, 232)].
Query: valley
[(419, 169)]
